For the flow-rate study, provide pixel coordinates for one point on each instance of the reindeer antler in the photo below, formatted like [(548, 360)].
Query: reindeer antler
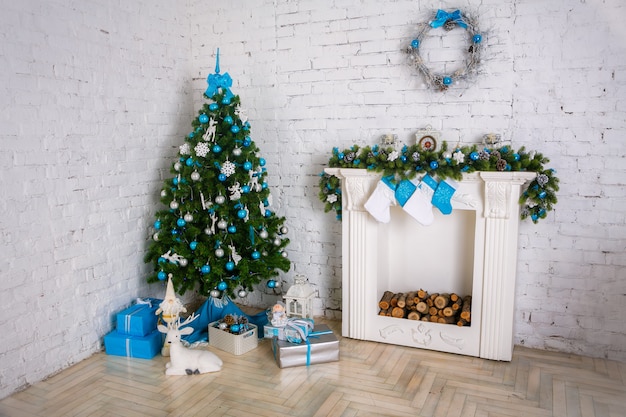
[(189, 319)]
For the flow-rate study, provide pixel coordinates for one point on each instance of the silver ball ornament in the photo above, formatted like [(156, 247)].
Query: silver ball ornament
[(283, 254), (174, 205), (177, 166), (222, 224), (215, 293), (208, 231), (155, 236), (277, 242), (220, 199), (223, 326), (219, 252), (242, 293), (195, 175), (237, 151), (447, 154), (188, 217), (263, 234), (183, 262), (284, 230), (163, 193)]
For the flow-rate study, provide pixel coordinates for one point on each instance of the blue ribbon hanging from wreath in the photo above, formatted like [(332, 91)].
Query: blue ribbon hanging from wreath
[(442, 17)]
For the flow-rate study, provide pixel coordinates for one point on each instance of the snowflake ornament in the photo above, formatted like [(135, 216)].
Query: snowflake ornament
[(458, 156), (228, 168), (393, 155), (202, 149), (184, 149)]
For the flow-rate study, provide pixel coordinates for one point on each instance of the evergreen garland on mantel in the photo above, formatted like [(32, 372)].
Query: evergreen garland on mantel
[(536, 200)]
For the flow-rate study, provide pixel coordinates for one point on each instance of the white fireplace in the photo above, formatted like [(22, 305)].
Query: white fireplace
[(472, 251)]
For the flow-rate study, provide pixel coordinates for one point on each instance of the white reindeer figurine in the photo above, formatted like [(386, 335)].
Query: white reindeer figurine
[(185, 361)]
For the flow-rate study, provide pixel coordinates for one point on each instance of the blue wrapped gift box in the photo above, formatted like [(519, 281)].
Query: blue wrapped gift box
[(144, 347), (138, 319)]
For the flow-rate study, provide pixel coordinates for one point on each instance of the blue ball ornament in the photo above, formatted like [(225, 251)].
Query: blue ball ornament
[(477, 38), (189, 162), (534, 217), (162, 260), (447, 80), (474, 156), (203, 118), (262, 162), (217, 149), (516, 156), (242, 214), (222, 286), (175, 181), (222, 177), (230, 265), (434, 164), (193, 245), (161, 275), (235, 328), (415, 43), (232, 229), (226, 100), (542, 195), (157, 224), (213, 106), (264, 185), (228, 120), (271, 284), (181, 222), (190, 135), (235, 129), (205, 269), (247, 165), (247, 141), (268, 213), (256, 254), (245, 189), (174, 232)]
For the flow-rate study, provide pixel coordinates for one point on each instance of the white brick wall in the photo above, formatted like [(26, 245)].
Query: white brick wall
[(93, 98), (96, 97)]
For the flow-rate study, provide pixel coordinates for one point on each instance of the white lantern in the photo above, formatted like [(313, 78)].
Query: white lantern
[(299, 299)]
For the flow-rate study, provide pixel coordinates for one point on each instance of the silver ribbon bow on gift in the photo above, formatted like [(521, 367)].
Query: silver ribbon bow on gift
[(297, 330)]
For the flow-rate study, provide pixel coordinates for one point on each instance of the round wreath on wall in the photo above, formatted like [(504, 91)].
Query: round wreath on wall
[(447, 21)]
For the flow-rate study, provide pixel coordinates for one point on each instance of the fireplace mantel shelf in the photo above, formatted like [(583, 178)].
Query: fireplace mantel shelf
[(487, 200)]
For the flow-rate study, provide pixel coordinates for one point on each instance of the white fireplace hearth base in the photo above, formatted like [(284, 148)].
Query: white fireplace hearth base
[(471, 251)]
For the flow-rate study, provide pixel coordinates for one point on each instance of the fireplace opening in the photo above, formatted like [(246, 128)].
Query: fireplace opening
[(425, 266), (439, 257)]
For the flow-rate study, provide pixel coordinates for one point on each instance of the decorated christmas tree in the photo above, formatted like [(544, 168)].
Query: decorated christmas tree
[(217, 233)]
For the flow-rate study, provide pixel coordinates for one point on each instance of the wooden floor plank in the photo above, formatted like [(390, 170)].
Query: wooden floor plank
[(370, 379)]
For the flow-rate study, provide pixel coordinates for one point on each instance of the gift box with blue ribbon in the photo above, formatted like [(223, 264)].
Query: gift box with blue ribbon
[(144, 347), (295, 330), (320, 346), (138, 319)]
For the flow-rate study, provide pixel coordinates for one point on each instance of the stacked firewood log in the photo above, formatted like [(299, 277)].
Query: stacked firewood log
[(419, 305)]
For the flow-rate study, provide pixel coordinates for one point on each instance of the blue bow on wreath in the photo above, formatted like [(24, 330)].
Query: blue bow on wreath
[(442, 17)]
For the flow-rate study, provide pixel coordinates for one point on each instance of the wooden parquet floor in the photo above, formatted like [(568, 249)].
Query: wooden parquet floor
[(370, 379)]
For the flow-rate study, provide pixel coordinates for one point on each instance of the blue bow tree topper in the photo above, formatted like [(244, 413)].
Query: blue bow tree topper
[(217, 81)]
